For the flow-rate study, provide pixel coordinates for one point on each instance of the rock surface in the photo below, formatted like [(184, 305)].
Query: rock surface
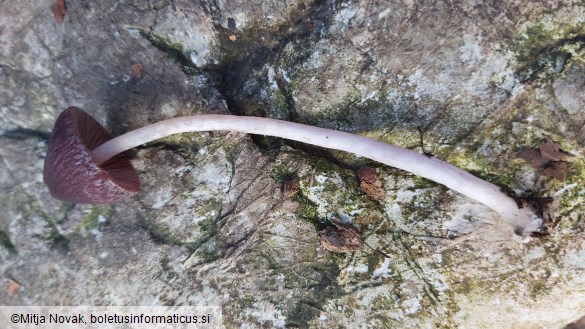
[(472, 83)]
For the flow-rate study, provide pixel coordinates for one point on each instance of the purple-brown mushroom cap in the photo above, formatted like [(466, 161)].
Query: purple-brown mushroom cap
[(70, 171)]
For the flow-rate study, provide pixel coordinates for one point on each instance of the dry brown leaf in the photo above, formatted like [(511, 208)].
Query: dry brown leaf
[(548, 159), (371, 184), (340, 238), (12, 288), (136, 71), (59, 9), (552, 151), (556, 169), (533, 157), (291, 186)]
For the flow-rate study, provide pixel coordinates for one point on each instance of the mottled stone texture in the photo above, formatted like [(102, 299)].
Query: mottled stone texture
[(471, 82)]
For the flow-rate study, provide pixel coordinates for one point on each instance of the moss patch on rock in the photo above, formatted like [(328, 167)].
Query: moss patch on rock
[(543, 50)]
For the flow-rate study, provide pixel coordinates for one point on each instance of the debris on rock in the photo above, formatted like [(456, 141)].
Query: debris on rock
[(552, 151), (12, 288), (548, 159), (371, 184), (59, 9), (291, 186), (136, 71), (341, 238)]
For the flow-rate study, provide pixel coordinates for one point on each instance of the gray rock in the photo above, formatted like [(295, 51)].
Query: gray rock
[(472, 83)]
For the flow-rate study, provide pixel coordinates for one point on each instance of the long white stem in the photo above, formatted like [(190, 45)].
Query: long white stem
[(418, 164)]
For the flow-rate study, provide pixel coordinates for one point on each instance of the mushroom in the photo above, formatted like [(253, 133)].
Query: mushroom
[(84, 165), (70, 171)]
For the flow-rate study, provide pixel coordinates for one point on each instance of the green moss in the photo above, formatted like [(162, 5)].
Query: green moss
[(179, 140), (91, 220), (544, 51), (466, 286), (209, 209), (385, 302), (403, 136), (483, 168), (306, 209), (373, 260), (282, 103), (281, 172), (208, 226), (208, 253), (539, 285), (162, 234), (336, 193), (424, 204), (448, 259)]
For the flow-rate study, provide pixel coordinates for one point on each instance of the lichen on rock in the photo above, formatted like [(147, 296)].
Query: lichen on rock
[(233, 220)]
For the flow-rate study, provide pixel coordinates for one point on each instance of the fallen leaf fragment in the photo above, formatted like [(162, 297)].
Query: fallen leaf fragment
[(556, 169), (371, 184), (59, 9), (12, 288), (552, 151), (340, 238), (291, 186), (548, 159), (136, 71), (533, 157)]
